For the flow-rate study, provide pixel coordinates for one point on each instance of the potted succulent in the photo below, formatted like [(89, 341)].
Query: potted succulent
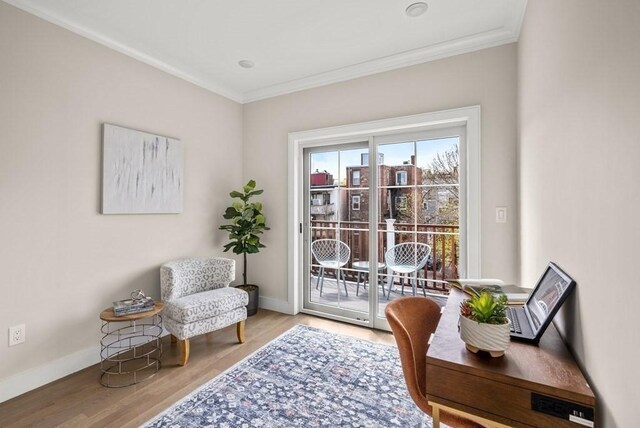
[(484, 325), (247, 224)]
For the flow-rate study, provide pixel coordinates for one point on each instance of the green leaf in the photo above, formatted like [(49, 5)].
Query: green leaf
[(247, 214), (254, 193), (246, 221), (230, 213), (486, 308)]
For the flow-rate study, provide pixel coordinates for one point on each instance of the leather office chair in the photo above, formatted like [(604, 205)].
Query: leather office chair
[(412, 320)]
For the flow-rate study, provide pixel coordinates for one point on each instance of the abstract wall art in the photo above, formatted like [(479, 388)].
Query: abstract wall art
[(142, 173)]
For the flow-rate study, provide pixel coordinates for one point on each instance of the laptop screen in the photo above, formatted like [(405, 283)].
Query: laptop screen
[(547, 296)]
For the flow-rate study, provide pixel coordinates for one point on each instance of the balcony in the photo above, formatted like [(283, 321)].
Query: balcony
[(327, 209), (443, 262)]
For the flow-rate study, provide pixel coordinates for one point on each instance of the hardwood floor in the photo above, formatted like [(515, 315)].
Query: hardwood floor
[(79, 400)]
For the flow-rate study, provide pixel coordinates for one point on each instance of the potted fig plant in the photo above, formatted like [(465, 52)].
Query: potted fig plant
[(484, 325), (247, 224)]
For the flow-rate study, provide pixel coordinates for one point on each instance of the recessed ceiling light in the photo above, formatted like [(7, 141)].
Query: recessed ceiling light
[(245, 63), (416, 9)]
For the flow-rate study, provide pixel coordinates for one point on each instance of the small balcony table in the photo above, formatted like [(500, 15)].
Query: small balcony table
[(363, 268)]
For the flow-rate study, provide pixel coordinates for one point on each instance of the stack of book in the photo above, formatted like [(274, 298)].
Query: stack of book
[(133, 306), (515, 295)]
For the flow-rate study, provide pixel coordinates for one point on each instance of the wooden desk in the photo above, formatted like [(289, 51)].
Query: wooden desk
[(501, 389)]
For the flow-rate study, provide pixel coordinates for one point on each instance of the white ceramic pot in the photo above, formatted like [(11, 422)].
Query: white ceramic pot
[(493, 338)]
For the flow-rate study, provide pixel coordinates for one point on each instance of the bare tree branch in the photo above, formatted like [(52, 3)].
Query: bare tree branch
[(444, 172)]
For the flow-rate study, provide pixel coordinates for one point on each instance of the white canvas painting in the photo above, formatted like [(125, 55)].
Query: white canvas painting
[(142, 173)]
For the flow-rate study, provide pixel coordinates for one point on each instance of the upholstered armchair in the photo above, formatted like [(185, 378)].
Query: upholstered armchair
[(198, 299)]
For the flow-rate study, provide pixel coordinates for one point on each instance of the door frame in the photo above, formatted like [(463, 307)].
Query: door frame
[(469, 117), (316, 308)]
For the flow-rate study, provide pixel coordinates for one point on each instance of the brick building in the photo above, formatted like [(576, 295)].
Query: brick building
[(396, 196), (325, 196)]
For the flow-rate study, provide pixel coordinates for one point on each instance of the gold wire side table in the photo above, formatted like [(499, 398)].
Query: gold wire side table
[(130, 348)]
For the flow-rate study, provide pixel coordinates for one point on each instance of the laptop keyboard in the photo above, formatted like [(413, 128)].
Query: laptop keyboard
[(515, 322)]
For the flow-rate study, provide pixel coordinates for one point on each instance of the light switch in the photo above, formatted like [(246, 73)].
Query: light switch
[(501, 214)]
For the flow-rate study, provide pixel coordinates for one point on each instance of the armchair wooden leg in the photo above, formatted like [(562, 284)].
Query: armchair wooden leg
[(240, 331), (184, 352), (174, 340)]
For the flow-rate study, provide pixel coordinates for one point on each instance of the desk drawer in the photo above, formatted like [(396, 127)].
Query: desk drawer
[(491, 399)]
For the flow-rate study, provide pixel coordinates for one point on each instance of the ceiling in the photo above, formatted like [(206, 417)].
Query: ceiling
[(295, 44)]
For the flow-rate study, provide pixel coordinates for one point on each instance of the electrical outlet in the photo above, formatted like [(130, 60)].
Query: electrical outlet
[(17, 334)]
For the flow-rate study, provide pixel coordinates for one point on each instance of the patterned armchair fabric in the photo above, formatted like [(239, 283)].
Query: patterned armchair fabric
[(192, 275), (198, 298), (206, 304), (186, 331)]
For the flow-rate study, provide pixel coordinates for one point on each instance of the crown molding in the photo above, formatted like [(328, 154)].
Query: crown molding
[(516, 24), (126, 50), (473, 43), (509, 33)]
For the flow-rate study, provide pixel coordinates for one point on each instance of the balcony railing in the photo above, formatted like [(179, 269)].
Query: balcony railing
[(443, 240), (326, 209)]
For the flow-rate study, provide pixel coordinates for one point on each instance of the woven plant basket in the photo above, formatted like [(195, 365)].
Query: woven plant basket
[(492, 338)]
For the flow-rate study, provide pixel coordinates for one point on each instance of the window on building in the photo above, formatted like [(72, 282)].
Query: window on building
[(364, 159), (355, 203), (355, 177), (401, 178), (401, 202)]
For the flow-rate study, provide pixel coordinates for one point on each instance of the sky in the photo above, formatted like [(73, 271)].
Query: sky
[(394, 154)]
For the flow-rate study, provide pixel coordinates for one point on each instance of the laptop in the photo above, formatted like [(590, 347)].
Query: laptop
[(529, 322)]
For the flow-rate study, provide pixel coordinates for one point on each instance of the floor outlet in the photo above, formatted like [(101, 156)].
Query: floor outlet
[(17, 334)]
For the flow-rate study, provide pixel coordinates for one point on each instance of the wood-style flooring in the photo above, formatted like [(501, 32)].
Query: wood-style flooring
[(79, 400)]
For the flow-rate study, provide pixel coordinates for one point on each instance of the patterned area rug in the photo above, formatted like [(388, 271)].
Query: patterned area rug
[(305, 378)]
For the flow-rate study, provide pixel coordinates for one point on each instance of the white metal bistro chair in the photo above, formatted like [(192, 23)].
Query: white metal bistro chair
[(407, 258), (331, 254)]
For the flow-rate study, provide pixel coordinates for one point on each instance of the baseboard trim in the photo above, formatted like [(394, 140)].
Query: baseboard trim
[(36, 377), (275, 305)]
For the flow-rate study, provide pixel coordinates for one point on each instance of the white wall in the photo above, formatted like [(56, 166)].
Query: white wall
[(487, 78), (579, 157), (61, 261)]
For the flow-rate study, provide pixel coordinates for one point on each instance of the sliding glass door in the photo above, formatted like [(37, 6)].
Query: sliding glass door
[(337, 231), (418, 215), (381, 220)]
